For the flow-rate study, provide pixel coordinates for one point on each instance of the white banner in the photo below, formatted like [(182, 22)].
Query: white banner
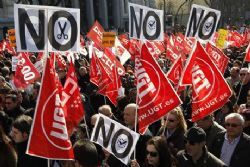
[(120, 51), (46, 28), (145, 23), (115, 138), (202, 23)]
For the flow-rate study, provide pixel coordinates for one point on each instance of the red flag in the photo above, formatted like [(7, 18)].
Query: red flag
[(155, 48), (26, 73), (94, 70), (71, 99), (95, 33), (49, 137), (217, 56), (247, 57), (124, 40), (155, 95), (210, 91), (235, 39)]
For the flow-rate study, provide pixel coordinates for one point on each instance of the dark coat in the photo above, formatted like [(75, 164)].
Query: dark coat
[(207, 160), (175, 141), (240, 157), (25, 160)]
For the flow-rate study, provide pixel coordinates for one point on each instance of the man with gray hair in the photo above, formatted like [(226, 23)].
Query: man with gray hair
[(233, 146)]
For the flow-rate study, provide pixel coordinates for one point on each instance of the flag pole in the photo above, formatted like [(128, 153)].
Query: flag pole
[(86, 127)]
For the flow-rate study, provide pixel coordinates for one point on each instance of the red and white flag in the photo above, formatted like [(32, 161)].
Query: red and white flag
[(210, 91), (247, 57), (217, 56), (71, 100), (26, 73), (49, 137), (156, 96), (95, 33)]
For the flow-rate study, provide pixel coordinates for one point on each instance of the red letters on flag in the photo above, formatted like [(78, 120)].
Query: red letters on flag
[(49, 137), (155, 95), (95, 33), (210, 91)]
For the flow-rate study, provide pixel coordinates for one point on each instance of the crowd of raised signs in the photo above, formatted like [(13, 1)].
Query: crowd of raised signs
[(171, 141)]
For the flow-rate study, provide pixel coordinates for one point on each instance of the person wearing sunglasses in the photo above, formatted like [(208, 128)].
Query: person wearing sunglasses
[(173, 129), (196, 153), (158, 154), (233, 146)]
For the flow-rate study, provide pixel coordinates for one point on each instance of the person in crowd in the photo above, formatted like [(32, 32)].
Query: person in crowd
[(158, 154), (5, 122), (130, 120), (110, 160), (244, 110), (8, 155), (174, 129), (12, 107), (85, 153), (62, 73), (20, 133), (233, 146), (211, 128), (196, 153), (107, 111), (223, 112), (234, 77), (34, 94), (243, 86)]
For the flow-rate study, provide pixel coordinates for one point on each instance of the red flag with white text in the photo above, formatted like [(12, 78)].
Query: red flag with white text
[(210, 90), (26, 73), (49, 137), (217, 56), (156, 96), (95, 33), (72, 100)]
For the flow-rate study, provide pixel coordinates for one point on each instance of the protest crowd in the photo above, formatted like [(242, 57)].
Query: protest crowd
[(176, 138)]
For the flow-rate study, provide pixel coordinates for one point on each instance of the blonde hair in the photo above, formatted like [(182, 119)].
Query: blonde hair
[(180, 117)]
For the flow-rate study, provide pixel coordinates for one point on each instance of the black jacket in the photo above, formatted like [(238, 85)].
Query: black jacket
[(240, 157), (206, 160)]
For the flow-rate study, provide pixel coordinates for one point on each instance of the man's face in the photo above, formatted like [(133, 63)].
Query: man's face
[(204, 123), (193, 149), (10, 104), (18, 136), (129, 116), (234, 127)]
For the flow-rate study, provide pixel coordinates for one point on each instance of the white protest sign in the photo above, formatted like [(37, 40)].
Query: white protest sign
[(202, 23), (115, 138), (40, 26), (145, 23)]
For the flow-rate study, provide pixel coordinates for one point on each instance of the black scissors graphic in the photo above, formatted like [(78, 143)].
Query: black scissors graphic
[(65, 36)]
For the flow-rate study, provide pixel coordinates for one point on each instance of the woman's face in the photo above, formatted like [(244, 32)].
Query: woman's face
[(171, 121), (152, 156)]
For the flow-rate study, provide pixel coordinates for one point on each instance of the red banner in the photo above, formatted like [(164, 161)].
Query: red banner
[(26, 73), (217, 56), (72, 100), (95, 33), (210, 91), (156, 96), (247, 57), (49, 137)]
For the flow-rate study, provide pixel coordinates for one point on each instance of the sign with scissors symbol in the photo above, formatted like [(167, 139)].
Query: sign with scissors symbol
[(62, 29)]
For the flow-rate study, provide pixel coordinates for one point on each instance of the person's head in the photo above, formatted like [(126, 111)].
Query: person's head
[(234, 124), (175, 120), (5, 122), (244, 75), (129, 115), (195, 140), (21, 128), (237, 63), (227, 108), (206, 122), (62, 72), (86, 154), (105, 110), (83, 71), (234, 72), (11, 102), (157, 152)]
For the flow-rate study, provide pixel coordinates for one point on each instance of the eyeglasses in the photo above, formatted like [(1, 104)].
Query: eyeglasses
[(152, 154), (242, 74), (190, 142), (233, 125)]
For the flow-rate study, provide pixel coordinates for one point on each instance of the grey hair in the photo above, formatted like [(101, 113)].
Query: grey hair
[(131, 105), (237, 116)]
